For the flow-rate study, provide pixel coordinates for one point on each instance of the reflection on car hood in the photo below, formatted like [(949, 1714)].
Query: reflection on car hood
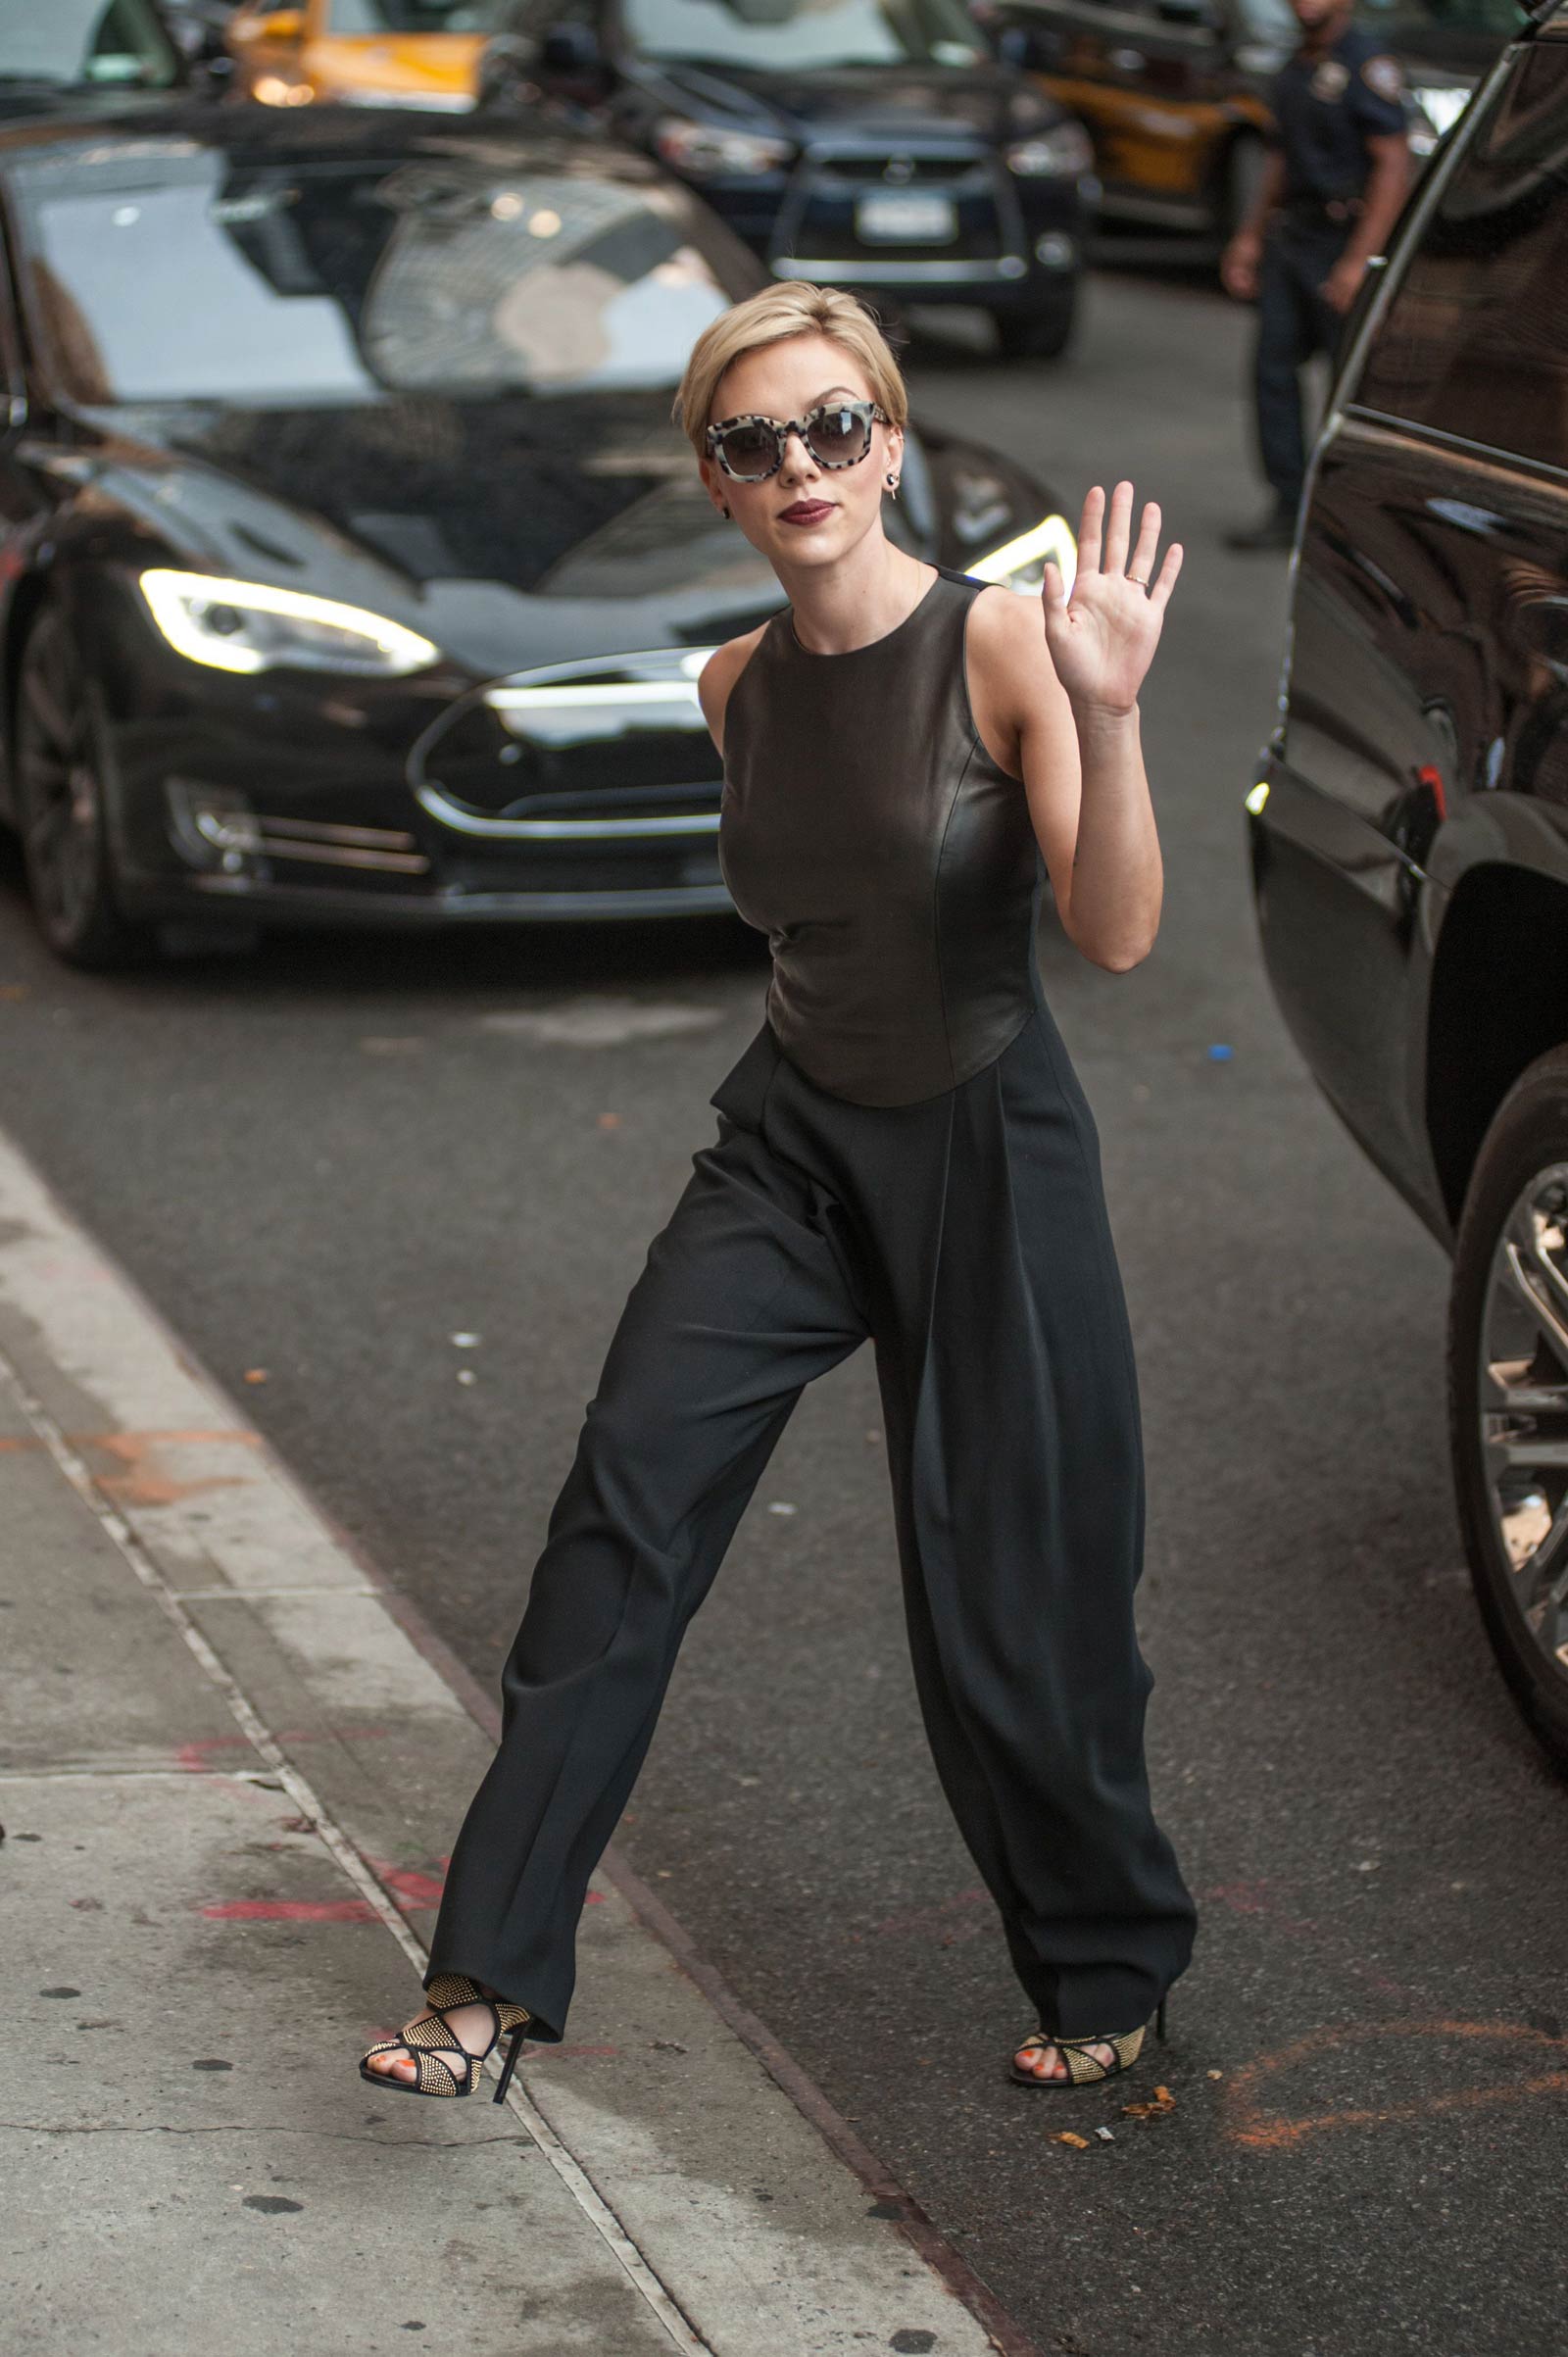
[(508, 531), (874, 103)]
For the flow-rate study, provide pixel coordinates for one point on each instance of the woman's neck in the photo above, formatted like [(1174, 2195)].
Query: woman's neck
[(838, 607)]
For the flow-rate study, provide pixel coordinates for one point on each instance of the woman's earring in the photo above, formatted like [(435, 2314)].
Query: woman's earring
[(724, 510), (892, 486)]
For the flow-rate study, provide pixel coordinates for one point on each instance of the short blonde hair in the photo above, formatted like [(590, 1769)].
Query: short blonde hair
[(794, 307)]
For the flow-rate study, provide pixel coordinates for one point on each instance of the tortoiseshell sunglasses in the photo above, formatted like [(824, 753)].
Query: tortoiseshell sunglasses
[(837, 434)]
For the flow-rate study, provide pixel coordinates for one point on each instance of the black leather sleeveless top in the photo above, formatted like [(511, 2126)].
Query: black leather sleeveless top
[(890, 860)]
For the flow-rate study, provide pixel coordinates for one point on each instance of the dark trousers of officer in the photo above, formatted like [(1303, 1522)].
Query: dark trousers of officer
[(968, 1235), (1293, 323)]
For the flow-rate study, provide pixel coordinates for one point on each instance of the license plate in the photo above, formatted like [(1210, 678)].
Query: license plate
[(907, 217)]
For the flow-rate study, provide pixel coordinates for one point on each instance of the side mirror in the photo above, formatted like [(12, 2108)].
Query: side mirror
[(570, 49)]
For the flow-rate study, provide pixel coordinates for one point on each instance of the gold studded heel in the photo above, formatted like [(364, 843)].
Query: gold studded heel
[(1083, 2068), (436, 2051)]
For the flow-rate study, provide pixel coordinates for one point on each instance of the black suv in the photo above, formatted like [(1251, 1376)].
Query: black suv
[(1409, 822), (878, 144)]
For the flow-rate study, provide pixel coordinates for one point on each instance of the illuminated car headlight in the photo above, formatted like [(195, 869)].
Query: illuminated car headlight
[(709, 152), (1020, 564), (281, 90), (1061, 153), (248, 626)]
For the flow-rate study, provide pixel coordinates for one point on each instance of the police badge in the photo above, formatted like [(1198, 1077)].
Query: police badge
[(1382, 75), (1330, 78)]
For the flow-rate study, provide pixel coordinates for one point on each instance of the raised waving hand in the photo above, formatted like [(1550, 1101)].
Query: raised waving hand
[(1102, 638)]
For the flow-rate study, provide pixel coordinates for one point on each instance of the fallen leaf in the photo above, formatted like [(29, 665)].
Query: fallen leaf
[(610, 1121), (1065, 2136), (1163, 2094), (1216, 2074), (256, 1374)]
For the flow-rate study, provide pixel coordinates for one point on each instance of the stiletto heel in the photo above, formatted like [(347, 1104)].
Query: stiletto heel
[(1160, 2019), (511, 2062)]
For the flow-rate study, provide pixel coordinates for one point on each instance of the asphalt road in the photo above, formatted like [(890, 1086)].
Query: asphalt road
[(328, 1161)]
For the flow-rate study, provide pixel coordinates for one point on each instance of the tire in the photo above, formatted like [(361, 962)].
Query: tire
[(1513, 1512), (1036, 334), (1243, 176), (61, 773)]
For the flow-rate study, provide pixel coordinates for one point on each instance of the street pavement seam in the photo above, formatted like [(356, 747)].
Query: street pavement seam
[(347, 1858), (668, 2122)]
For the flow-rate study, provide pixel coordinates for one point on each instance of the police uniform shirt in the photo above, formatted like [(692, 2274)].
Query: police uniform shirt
[(1326, 107)]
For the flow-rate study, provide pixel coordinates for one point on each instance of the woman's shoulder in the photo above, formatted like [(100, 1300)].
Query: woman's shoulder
[(715, 681)]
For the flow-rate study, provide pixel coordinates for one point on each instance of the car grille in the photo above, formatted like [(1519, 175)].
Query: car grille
[(609, 754), (817, 221)]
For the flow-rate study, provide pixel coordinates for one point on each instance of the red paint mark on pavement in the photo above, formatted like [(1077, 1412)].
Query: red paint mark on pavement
[(1246, 2124)]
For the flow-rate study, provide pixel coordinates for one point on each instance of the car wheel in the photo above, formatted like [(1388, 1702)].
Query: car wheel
[(1036, 334), (1245, 161), (1509, 1392), (60, 773)]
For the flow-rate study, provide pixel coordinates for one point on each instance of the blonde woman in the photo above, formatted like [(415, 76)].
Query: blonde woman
[(903, 1154)]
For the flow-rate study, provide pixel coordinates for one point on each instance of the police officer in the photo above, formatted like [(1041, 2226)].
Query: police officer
[(1333, 178)]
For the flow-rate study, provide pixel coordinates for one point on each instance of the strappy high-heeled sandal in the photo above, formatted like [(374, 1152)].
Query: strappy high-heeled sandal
[(1085, 2069), (429, 2041)]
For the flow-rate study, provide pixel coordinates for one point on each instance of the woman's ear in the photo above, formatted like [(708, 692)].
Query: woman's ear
[(712, 484)]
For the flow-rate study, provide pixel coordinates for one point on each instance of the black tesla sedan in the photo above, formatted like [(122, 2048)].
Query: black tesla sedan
[(877, 144), (351, 567)]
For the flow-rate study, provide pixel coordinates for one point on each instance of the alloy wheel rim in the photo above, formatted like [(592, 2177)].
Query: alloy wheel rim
[(1523, 1395)]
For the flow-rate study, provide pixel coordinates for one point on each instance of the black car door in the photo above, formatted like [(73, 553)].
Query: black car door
[(1429, 677)]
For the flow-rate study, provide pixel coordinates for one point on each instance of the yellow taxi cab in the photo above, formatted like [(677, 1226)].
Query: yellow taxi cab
[(391, 53), (1175, 93)]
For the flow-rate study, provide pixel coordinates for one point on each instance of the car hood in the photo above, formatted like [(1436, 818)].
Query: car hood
[(509, 532), (870, 105)]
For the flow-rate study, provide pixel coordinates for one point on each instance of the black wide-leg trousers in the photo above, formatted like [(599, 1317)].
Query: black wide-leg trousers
[(967, 1237)]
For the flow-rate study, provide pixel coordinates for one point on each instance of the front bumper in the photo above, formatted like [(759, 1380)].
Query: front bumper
[(276, 798), (1015, 243)]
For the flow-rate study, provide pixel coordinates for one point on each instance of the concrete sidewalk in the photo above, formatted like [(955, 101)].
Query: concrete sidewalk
[(230, 1774)]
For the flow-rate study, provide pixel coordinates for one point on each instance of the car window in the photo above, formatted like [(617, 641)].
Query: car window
[(1475, 338), (179, 278), (797, 36), (87, 41)]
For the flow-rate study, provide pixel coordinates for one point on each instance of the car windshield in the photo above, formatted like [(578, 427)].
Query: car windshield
[(380, 17), (169, 273), (797, 36), (92, 42)]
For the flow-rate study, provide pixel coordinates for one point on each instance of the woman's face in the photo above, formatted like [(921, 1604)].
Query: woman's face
[(804, 514)]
